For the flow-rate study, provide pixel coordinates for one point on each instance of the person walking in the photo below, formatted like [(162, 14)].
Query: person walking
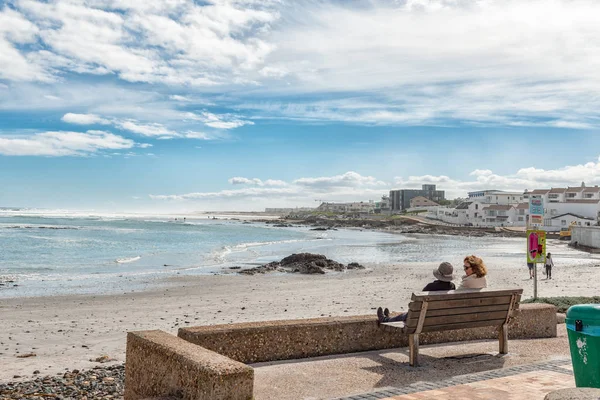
[(530, 266), (549, 264)]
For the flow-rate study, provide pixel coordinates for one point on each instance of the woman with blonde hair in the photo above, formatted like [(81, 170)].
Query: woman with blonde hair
[(475, 273)]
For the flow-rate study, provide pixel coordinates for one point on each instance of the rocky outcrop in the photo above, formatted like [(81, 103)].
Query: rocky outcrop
[(399, 225), (303, 263)]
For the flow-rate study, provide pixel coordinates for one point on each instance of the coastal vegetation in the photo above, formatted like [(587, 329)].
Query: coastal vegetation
[(564, 302)]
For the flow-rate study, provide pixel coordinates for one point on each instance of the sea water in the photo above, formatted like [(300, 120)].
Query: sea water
[(63, 253)]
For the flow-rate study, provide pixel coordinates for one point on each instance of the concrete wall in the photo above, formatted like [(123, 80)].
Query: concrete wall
[(293, 339), (586, 236), (163, 365)]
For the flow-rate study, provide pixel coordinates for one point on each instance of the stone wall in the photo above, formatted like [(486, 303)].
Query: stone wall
[(162, 365), (282, 340)]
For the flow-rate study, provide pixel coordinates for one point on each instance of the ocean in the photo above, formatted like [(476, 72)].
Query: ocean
[(64, 253)]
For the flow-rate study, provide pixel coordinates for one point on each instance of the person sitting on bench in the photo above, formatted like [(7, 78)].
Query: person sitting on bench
[(444, 276), (475, 272)]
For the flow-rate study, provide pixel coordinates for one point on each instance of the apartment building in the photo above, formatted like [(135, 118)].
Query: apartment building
[(400, 199)]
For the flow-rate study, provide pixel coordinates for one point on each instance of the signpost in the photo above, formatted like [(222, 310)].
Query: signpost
[(536, 238)]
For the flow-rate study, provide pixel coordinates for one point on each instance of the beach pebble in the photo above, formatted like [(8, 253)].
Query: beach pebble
[(99, 383)]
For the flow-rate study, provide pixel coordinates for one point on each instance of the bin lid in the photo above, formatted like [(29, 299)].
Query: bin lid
[(584, 312)]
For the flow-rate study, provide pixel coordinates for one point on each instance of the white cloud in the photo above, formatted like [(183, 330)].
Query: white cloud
[(16, 30), (486, 62), (153, 129), (255, 181), (146, 129), (349, 179), (84, 119), (218, 121), (174, 42), (350, 186), (62, 143), (177, 97)]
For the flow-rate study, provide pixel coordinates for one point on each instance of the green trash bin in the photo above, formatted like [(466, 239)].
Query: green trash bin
[(583, 327)]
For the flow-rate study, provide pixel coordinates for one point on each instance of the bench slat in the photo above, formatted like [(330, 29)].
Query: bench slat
[(482, 301), (452, 319), (463, 325), (463, 294), (465, 310)]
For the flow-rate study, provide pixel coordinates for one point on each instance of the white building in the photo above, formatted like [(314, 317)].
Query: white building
[(521, 214), (498, 215), (565, 220), (496, 197)]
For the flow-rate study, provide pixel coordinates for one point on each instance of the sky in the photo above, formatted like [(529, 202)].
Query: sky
[(180, 106)]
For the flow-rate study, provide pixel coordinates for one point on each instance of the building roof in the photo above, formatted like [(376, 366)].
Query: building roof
[(593, 189), (575, 188), (557, 190), (464, 205), (583, 201), (539, 191), (522, 206), (574, 215), (498, 207)]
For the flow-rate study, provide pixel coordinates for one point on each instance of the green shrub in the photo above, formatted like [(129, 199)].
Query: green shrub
[(563, 303)]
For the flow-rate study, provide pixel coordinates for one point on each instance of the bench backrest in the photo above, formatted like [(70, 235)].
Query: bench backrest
[(459, 309)]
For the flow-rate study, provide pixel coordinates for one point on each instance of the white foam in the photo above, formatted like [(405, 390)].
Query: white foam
[(127, 260)]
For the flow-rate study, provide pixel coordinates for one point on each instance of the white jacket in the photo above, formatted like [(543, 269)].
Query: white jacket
[(473, 282)]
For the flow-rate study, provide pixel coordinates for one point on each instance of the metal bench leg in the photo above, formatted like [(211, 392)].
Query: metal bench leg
[(503, 339), (413, 346)]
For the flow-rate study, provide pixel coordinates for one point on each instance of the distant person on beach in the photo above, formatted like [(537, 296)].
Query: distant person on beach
[(530, 266), (444, 275), (549, 264), (475, 273)]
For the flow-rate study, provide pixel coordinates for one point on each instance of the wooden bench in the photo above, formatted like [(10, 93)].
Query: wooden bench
[(458, 309)]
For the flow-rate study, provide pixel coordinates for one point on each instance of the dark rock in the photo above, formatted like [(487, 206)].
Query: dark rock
[(303, 263), (355, 265)]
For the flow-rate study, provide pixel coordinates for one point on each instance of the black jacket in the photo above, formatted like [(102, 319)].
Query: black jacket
[(438, 286)]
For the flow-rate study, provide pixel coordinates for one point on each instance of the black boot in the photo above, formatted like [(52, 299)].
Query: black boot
[(380, 316)]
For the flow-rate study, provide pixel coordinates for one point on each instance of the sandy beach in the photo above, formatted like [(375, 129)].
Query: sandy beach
[(69, 331)]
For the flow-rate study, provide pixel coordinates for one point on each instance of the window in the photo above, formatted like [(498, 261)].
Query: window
[(520, 218), (563, 222)]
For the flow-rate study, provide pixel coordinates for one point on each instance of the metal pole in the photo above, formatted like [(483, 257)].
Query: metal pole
[(534, 280)]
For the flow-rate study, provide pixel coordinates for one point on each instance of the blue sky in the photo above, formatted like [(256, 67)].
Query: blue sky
[(171, 106)]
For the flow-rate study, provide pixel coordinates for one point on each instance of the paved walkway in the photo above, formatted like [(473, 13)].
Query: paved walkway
[(526, 382)]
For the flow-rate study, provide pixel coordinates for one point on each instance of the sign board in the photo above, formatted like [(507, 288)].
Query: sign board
[(536, 206), (536, 219), (536, 246)]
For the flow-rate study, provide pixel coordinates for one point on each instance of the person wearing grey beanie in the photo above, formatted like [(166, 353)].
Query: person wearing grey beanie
[(444, 275)]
